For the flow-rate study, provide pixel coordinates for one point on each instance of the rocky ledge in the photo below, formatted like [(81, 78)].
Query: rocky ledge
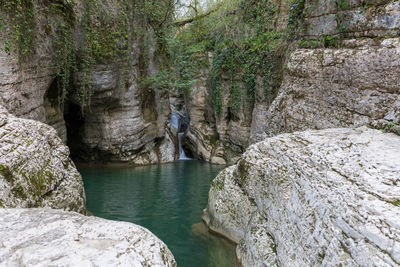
[(42, 237), (313, 198), (35, 168)]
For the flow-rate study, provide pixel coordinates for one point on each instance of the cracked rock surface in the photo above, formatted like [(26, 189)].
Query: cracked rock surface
[(35, 168), (339, 87), (313, 198), (43, 237)]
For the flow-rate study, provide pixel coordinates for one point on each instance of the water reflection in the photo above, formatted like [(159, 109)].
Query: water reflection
[(222, 251)]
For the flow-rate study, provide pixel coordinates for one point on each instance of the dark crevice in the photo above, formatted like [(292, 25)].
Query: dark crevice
[(52, 103), (74, 121), (187, 147)]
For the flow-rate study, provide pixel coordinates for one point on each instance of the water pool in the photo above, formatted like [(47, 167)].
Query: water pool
[(166, 199)]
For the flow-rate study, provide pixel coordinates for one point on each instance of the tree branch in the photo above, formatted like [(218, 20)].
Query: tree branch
[(180, 23)]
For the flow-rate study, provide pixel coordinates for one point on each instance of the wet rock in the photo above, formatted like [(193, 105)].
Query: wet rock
[(328, 197), (43, 237), (35, 168)]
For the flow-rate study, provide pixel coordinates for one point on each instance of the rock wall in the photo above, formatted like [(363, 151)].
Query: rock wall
[(341, 70), (35, 168), (221, 139), (209, 136), (53, 237), (328, 197), (123, 121), (122, 126), (352, 83), (127, 118), (26, 86)]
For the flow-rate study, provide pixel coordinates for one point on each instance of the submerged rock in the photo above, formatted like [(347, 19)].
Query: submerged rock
[(43, 237), (35, 168), (328, 197)]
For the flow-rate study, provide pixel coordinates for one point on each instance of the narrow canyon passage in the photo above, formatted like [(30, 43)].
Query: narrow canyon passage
[(166, 199), (200, 133)]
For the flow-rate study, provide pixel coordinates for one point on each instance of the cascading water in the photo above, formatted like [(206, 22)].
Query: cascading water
[(176, 123), (175, 120), (182, 155)]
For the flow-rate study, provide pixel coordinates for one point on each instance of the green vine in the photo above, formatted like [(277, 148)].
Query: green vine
[(245, 44), (65, 52), (17, 17), (105, 38)]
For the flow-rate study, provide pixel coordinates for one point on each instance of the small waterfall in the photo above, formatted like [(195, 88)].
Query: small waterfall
[(177, 124), (175, 120), (182, 155)]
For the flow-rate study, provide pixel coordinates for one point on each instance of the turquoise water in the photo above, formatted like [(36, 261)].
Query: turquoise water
[(168, 200)]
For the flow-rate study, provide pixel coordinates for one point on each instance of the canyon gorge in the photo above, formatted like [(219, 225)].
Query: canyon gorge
[(300, 100)]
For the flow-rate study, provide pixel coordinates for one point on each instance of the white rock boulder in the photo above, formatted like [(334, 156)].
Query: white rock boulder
[(313, 198), (35, 168), (46, 237)]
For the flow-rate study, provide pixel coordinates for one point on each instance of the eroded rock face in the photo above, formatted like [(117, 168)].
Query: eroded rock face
[(27, 86), (352, 18), (347, 77), (122, 123), (311, 198), (43, 237), (353, 82), (35, 168), (122, 126), (126, 120), (325, 88), (202, 138), (219, 139)]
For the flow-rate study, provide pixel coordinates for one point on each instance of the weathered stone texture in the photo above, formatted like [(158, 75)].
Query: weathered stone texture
[(217, 138), (202, 138), (325, 88), (35, 168), (25, 85), (122, 123), (43, 237), (119, 126), (353, 18), (352, 83), (313, 198), (127, 120)]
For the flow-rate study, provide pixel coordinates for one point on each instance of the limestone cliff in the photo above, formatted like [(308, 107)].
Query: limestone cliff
[(28, 83), (35, 168), (314, 198), (340, 69), (353, 82), (126, 120), (124, 123), (337, 67), (81, 67), (210, 137)]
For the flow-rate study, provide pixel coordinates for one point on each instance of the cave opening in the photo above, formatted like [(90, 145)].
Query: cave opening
[(52, 103), (74, 121)]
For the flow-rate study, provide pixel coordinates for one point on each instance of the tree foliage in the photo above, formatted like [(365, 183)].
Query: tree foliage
[(243, 40)]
